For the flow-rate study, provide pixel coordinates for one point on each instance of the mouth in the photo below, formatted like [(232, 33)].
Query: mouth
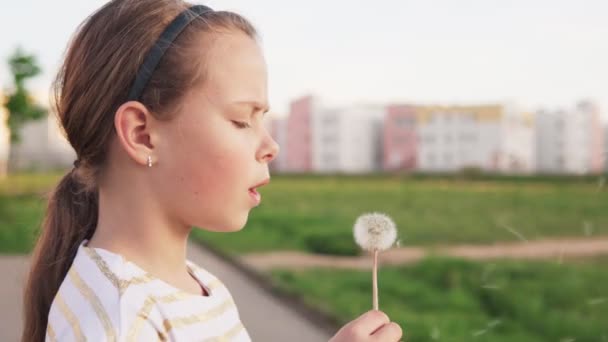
[(254, 194)]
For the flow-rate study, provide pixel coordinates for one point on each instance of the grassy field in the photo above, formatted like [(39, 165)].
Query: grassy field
[(316, 213), (22, 204), (437, 299), (454, 300)]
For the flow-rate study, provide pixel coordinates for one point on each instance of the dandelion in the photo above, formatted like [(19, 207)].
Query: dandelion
[(375, 232)]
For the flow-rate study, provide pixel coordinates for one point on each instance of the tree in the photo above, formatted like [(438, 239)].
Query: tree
[(21, 108)]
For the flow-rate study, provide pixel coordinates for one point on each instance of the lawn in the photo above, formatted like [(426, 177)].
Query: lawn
[(22, 204), (437, 299), (454, 300), (316, 213)]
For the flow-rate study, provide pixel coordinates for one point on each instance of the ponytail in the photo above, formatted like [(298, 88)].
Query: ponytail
[(71, 217)]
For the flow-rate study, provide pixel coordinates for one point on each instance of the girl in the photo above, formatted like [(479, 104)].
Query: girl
[(163, 103)]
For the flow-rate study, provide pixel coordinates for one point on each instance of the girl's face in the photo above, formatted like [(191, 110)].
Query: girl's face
[(216, 148)]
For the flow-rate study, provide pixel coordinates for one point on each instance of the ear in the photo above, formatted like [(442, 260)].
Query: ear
[(135, 130)]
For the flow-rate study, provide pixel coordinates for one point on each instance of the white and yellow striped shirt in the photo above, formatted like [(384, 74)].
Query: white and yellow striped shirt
[(106, 298)]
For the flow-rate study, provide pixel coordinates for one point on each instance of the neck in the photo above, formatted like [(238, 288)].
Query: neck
[(132, 224)]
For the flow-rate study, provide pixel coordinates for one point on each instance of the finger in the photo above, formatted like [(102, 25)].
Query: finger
[(370, 321), (388, 333)]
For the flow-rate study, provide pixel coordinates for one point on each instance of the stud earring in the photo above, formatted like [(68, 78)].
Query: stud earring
[(149, 161)]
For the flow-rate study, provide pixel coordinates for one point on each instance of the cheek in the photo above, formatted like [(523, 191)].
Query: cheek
[(213, 173), (203, 174), (215, 191)]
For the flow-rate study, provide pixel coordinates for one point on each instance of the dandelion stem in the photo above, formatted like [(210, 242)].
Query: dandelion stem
[(375, 280)]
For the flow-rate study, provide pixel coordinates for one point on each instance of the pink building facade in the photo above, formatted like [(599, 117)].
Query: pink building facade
[(596, 139), (399, 138), (299, 136)]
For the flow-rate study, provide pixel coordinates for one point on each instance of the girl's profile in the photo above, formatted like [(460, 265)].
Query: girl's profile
[(163, 102)]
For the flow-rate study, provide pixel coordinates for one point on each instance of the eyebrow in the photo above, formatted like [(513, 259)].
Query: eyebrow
[(255, 104)]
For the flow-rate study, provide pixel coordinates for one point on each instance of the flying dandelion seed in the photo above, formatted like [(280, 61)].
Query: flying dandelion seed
[(479, 332), (486, 272), (587, 228), (560, 257), (435, 333), (494, 323), (596, 301), (514, 232), (488, 327), (601, 183)]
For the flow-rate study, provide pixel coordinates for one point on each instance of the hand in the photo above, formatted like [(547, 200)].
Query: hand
[(373, 326)]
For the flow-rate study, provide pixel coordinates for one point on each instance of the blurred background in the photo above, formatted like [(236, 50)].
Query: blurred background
[(481, 127)]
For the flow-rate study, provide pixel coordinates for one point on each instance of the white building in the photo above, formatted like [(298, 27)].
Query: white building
[(495, 138), (570, 141), (347, 140), (42, 145)]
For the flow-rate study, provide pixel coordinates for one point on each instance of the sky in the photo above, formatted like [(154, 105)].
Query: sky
[(534, 53)]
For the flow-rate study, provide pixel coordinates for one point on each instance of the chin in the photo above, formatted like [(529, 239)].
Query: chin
[(235, 224)]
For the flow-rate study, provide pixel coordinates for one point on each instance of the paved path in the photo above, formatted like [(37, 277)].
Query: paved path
[(266, 317), (14, 272), (554, 249)]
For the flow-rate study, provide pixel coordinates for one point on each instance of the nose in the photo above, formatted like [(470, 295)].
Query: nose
[(269, 149)]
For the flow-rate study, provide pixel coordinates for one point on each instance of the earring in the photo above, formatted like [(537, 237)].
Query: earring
[(149, 161)]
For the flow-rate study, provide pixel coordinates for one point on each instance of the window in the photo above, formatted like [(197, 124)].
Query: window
[(401, 139), (447, 159), (329, 138), (329, 159), (404, 122)]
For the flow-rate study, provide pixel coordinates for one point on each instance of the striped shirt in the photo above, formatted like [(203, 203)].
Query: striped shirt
[(106, 298)]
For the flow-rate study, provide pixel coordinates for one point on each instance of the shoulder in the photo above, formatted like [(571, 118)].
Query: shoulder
[(94, 301)]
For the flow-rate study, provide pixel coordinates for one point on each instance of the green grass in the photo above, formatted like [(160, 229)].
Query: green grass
[(296, 210), (22, 204), (455, 300), (20, 217), (316, 213), (29, 183), (437, 299)]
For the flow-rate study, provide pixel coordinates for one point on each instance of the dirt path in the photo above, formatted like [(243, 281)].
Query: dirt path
[(555, 249)]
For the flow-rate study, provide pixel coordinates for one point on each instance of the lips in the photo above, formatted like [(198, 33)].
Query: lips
[(260, 184), (254, 194)]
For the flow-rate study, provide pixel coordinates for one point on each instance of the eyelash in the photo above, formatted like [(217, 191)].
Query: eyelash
[(241, 124)]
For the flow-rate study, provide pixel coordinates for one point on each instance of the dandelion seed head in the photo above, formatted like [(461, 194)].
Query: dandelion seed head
[(375, 231)]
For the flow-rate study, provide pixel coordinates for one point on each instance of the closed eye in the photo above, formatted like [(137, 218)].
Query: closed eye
[(240, 124)]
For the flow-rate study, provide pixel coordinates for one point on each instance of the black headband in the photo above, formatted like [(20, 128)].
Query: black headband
[(160, 47)]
